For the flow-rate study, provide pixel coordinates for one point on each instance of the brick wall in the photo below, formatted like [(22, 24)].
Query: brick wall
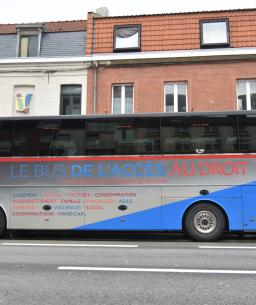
[(211, 86), (167, 32)]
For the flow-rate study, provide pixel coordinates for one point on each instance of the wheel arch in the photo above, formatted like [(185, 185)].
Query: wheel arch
[(5, 215), (209, 202)]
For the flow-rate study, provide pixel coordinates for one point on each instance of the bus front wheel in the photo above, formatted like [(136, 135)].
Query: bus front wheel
[(2, 222), (204, 222)]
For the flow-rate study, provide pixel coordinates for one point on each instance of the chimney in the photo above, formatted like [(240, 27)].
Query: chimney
[(102, 11)]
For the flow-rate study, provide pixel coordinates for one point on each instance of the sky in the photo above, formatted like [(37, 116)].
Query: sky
[(18, 11)]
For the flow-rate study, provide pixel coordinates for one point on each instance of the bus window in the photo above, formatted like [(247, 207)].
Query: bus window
[(49, 138), (138, 136), (69, 138), (247, 132), (100, 137), (123, 136), (6, 132), (200, 134), (32, 138)]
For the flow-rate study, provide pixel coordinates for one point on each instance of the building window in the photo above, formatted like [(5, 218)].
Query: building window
[(246, 95), (122, 99), (70, 100), (29, 39), (175, 97), (214, 33), (28, 46), (127, 38)]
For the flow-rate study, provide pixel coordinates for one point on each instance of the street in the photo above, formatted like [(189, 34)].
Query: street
[(127, 271)]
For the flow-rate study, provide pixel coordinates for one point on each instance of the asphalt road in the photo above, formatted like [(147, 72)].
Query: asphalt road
[(127, 271)]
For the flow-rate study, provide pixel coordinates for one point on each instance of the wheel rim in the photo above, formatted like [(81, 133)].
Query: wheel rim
[(205, 222)]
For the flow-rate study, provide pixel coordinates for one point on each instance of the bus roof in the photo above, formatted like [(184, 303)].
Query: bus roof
[(134, 115)]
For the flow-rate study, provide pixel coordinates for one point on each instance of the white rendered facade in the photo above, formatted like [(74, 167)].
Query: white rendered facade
[(43, 79)]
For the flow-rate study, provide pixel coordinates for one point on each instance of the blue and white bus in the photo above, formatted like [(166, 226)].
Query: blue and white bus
[(191, 172)]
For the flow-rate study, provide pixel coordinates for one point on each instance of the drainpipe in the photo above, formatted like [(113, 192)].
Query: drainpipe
[(93, 32), (95, 64)]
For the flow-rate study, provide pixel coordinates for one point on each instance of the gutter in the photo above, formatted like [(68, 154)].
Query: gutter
[(198, 54), (180, 54)]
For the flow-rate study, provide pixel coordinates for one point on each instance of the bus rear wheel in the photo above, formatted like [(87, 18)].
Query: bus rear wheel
[(204, 222), (2, 222)]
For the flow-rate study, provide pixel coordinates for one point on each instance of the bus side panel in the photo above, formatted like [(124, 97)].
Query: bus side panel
[(49, 208), (123, 208), (228, 199)]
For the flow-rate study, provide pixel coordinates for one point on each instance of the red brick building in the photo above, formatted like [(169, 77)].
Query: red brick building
[(200, 61)]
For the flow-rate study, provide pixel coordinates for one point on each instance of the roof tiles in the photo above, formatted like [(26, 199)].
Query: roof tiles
[(50, 27), (180, 31)]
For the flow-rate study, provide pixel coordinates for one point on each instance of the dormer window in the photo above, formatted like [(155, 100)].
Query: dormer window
[(127, 38), (214, 33), (29, 40), (28, 46)]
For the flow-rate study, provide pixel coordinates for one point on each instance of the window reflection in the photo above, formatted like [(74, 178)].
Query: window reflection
[(200, 135), (124, 137)]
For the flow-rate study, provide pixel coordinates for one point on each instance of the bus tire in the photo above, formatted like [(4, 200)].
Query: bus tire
[(2, 222), (204, 222)]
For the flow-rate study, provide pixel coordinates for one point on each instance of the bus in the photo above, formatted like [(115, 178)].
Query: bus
[(163, 172)]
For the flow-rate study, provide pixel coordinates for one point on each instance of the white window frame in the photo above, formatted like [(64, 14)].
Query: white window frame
[(122, 97), (175, 93), (247, 93)]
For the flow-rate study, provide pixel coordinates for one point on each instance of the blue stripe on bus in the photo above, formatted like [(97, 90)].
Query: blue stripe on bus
[(144, 220), (169, 216)]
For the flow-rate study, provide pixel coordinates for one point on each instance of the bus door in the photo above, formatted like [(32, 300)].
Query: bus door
[(249, 207), (123, 208), (247, 132)]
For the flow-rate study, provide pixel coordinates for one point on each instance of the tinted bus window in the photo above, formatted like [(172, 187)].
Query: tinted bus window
[(69, 139), (200, 134), (49, 138), (123, 136), (6, 133), (247, 132)]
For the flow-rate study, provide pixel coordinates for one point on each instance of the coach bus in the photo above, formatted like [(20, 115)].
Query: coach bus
[(191, 172)]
